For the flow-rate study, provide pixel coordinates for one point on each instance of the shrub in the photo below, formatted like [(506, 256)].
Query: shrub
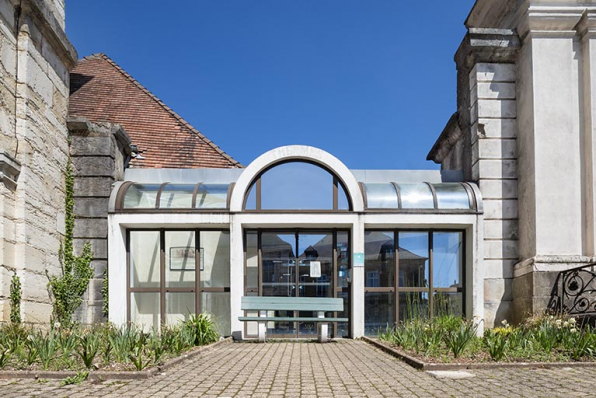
[(202, 329), (15, 299), (457, 340)]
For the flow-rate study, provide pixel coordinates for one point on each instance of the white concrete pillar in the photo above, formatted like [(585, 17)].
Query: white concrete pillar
[(116, 271), (236, 277), (357, 296)]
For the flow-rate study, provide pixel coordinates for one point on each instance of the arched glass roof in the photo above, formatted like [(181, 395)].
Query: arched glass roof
[(419, 196), (167, 196)]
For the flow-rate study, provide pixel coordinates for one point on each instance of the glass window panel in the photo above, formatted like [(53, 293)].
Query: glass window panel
[(452, 196), (448, 303), (343, 327), (343, 259), (145, 310), (315, 265), (179, 307), (379, 259), (413, 305), (297, 186), (215, 258), (252, 260), (279, 264), (180, 258), (176, 196), (141, 196), (218, 305), (416, 196), (379, 312), (447, 259), (381, 196), (144, 258), (413, 259), (342, 198), (212, 196)]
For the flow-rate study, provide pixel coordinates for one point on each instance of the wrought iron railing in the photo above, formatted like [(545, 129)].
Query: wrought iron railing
[(574, 292)]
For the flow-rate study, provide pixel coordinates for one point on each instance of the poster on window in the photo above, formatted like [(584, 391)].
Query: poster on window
[(315, 269), (182, 258)]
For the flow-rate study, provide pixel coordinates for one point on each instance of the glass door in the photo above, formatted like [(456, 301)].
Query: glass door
[(298, 264)]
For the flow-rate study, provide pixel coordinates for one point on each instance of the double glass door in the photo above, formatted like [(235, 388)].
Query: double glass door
[(298, 264)]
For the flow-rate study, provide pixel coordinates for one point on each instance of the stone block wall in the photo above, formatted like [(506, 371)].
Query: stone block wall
[(99, 153), (35, 58), (493, 114)]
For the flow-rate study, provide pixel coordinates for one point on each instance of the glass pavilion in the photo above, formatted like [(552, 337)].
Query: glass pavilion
[(296, 222)]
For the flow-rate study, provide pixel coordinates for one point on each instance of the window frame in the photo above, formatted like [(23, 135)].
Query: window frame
[(163, 289)]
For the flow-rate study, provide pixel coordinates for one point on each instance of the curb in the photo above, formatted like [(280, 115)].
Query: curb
[(113, 375), (426, 366)]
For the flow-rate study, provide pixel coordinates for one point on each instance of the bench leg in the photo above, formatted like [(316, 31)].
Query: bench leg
[(323, 328), (262, 327)]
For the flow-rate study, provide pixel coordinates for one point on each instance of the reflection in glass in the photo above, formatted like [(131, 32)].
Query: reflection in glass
[(416, 196), (176, 196), (381, 196), (343, 259), (251, 198), (452, 196), (212, 196), (252, 260), (413, 259), (343, 329), (448, 303), (179, 306), (379, 259), (342, 198), (447, 259), (379, 312), (413, 305), (145, 310), (218, 305), (141, 196), (144, 259), (215, 258), (180, 258)]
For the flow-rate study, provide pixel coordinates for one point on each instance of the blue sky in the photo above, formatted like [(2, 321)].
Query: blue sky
[(371, 81)]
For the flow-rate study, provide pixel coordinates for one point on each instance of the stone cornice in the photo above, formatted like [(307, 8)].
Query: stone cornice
[(9, 171), (82, 126), (587, 25), (51, 29), (487, 45), (535, 18), (448, 138)]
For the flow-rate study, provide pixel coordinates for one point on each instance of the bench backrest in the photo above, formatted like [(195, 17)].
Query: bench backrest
[(255, 303)]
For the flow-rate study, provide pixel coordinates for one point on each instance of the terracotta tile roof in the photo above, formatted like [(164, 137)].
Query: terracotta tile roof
[(101, 91)]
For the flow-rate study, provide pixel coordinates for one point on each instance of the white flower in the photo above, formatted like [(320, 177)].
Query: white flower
[(558, 322), (573, 330), (572, 321), (56, 325), (504, 322), (551, 317), (565, 324)]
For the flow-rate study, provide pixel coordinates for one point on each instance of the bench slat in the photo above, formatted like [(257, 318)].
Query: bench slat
[(256, 303), (288, 319)]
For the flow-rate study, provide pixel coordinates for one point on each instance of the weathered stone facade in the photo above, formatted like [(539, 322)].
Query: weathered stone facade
[(35, 58), (529, 140), (99, 153)]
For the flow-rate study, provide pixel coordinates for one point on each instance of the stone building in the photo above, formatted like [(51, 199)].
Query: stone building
[(525, 132), (192, 230)]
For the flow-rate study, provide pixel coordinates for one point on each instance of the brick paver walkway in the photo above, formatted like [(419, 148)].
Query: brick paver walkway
[(339, 369)]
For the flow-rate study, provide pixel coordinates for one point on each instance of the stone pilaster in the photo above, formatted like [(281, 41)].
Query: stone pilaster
[(99, 153)]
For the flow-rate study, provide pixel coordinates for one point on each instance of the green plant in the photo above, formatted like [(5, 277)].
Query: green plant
[(104, 293), (46, 347), (88, 347), (137, 357), (76, 379), (496, 344), (157, 347), (31, 349), (76, 271), (15, 299), (202, 329), (4, 356), (457, 340)]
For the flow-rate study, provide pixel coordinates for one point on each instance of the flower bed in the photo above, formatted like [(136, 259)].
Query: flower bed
[(450, 339), (103, 347)]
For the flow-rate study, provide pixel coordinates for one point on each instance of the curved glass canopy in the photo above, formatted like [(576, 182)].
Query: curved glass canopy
[(419, 196), (174, 196)]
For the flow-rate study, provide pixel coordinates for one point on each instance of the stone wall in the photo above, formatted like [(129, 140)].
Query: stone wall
[(99, 153), (35, 57)]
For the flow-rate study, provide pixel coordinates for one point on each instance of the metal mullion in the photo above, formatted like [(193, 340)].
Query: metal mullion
[(447, 289), (335, 277), (258, 188), (430, 274), (180, 290), (128, 293), (215, 289), (396, 276), (158, 196), (145, 289), (197, 272), (260, 262), (194, 196), (162, 275), (297, 271), (379, 289), (412, 289), (398, 194), (335, 194), (434, 194)]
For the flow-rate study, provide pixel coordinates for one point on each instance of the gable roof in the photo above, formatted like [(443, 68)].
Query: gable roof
[(102, 91)]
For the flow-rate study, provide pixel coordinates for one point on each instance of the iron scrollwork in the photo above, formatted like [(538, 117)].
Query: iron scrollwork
[(574, 292)]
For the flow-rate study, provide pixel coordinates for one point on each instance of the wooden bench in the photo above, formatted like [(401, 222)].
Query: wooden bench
[(320, 305)]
